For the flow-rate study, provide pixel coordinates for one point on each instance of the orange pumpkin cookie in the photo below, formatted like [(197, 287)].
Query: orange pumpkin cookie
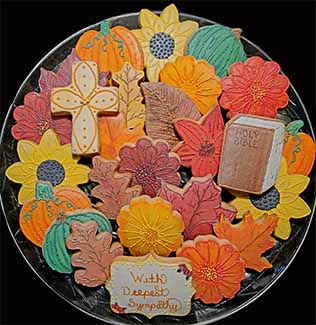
[(39, 212), (149, 225), (110, 48), (298, 149), (196, 78), (217, 266)]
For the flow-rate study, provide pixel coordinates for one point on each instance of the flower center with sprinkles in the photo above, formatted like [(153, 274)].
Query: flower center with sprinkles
[(207, 149), (266, 201), (256, 91), (209, 273), (51, 171), (151, 234), (42, 127), (161, 45), (145, 175)]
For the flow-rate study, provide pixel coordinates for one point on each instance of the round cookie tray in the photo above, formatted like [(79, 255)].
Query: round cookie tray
[(95, 301)]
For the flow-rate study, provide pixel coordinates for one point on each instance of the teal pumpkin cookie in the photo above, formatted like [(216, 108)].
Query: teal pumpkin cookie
[(219, 45), (55, 251)]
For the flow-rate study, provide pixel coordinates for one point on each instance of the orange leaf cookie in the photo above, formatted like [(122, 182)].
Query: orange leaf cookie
[(251, 237), (95, 253), (114, 134), (149, 225), (196, 78), (217, 266), (113, 190), (130, 96)]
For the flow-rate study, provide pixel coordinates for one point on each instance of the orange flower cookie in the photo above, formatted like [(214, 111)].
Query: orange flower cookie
[(217, 266), (150, 225), (196, 78)]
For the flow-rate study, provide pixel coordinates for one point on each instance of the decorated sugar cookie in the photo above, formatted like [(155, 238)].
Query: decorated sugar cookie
[(251, 237), (54, 248), (39, 212), (202, 142), (196, 78), (164, 104), (219, 45), (151, 285), (110, 48), (95, 253), (199, 203), (162, 38), (251, 153), (84, 99), (217, 267), (150, 225), (114, 134), (114, 189), (298, 149), (130, 96), (254, 87), (47, 161), (150, 163), (34, 118), (282, 199)]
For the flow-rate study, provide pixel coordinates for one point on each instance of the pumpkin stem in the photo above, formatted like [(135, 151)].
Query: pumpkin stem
[(104, 31), (105, 27), (44, 191), (237, 32), (294, 127)]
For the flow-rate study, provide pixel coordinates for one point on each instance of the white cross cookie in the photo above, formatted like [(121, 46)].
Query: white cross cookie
[(84, 99)]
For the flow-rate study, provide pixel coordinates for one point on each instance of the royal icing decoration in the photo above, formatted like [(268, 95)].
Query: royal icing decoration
[(199, 203), (196, 78), (282, 199), (150, 163), (47, 161), (114, 189), (202, 142), (151, 285), (254, 87), (162, 38), (148, 225), (54, 248), (251, 154), (219, 45), (217, 268), (165, 103), (39, 212), (95, 253), (84, 99), (130, 96)]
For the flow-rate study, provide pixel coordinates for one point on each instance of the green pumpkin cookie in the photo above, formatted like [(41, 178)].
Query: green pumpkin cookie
[(219, 45)]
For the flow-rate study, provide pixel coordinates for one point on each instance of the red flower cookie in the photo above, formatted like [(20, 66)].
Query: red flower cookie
[(202, 143), (34, 118), (150, 163), (254, 87)]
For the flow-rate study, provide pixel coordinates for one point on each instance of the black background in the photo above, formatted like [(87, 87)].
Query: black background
[(285, 30)]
